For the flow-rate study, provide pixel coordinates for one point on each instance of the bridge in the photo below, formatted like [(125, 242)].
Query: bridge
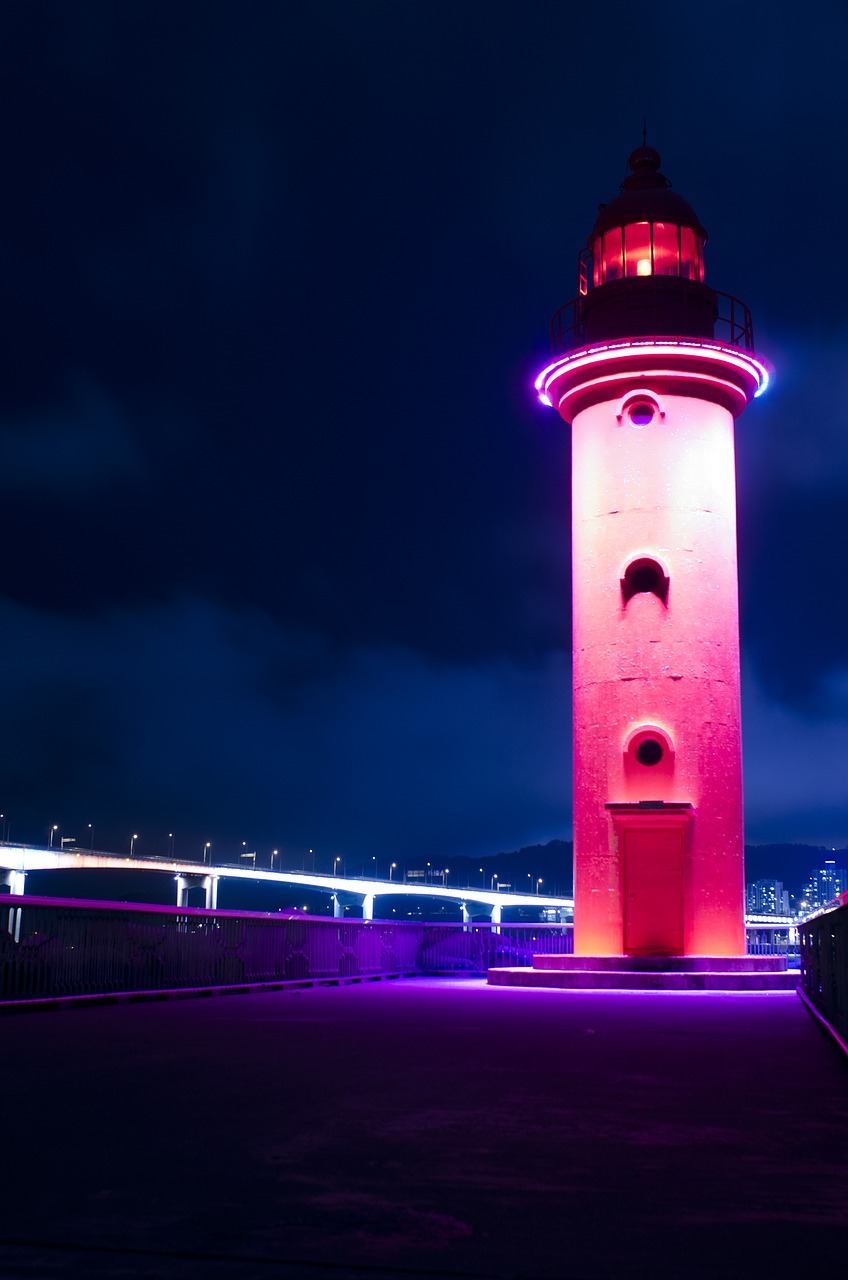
[(346, 891)]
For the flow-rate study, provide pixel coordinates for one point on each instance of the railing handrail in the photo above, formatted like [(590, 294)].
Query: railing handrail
[(568, 330), (283, 915), (56, 947), (824, 966)]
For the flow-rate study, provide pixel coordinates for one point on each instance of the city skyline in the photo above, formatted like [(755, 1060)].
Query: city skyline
[(288, 530)]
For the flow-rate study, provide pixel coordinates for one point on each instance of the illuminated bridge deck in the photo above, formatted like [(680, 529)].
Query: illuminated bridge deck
[(425, 1128)]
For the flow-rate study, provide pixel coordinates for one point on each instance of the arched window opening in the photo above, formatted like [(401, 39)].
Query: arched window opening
[(644, 577), (649, 747)]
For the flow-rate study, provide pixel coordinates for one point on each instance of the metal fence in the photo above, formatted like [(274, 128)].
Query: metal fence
[(773, 940), (824, 965), (732, 323), (53, 947)]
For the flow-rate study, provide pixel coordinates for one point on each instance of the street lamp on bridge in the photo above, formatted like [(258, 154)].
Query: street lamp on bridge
[(52, 830), (132, 843), (391, 870), (206, 847)]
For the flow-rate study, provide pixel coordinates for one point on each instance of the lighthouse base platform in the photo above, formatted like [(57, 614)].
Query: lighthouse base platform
[(651, 973)]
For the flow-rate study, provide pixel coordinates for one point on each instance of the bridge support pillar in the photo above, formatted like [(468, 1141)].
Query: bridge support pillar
[(209, 884), (343, 898), (16, 880), (466, 914)]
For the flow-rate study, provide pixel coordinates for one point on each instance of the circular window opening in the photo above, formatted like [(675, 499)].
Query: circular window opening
[(641, 413), (649, 751)]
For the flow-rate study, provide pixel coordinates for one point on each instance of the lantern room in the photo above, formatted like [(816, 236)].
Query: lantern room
[(648, 230), (642, 271)]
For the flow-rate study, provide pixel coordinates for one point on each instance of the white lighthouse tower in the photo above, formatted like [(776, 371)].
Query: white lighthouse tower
[(651, 367)]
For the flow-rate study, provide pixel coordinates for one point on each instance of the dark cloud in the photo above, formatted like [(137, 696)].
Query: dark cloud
[(78, 448), (221, 722), (287, 534)]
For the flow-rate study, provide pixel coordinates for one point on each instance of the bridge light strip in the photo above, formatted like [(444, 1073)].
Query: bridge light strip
[(592, 355)]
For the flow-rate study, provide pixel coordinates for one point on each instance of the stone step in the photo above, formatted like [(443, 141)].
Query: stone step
[(665, 964), (644, 980)]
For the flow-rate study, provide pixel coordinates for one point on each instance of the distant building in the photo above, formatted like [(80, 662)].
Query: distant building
[(767, 898), (825, 885)]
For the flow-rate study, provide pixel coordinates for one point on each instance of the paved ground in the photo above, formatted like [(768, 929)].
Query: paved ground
[(425, 1128)]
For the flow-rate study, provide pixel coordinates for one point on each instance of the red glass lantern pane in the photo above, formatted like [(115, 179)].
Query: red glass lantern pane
[(612, 263), (597, 250), (637, 249), (691, 263), (666, 249)]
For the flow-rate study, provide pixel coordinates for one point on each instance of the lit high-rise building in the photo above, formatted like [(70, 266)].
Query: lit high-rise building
[(825, 885), (767, 898)]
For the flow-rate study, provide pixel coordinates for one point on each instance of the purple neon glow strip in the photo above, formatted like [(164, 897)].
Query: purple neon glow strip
[(592, 355)]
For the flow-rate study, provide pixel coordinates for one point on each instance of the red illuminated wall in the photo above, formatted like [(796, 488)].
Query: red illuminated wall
[(659, 664)]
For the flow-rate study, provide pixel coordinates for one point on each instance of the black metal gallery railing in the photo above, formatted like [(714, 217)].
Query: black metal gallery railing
[(824, 965), (731, 320)]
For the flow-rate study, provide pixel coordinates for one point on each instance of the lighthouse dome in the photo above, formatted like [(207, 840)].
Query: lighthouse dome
[(646, 196)]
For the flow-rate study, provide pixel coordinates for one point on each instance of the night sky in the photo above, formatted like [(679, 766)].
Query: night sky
[(286, 534)]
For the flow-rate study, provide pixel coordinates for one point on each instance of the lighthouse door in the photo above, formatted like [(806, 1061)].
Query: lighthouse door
[(653, 890)]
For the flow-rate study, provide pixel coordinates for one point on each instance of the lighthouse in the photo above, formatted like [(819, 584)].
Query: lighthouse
[(651, 366)]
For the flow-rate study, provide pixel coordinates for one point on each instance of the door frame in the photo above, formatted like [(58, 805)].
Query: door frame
[(645, 816)]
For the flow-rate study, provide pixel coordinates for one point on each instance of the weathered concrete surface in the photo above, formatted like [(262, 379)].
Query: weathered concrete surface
[(425, 1127)]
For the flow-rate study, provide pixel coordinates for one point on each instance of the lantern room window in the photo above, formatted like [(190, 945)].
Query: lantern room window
[(666, 249), (637, 249), (647, 249), (608, 257), (691, 258)]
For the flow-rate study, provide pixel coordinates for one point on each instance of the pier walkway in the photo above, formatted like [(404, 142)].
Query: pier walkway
[(423, 1128)]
